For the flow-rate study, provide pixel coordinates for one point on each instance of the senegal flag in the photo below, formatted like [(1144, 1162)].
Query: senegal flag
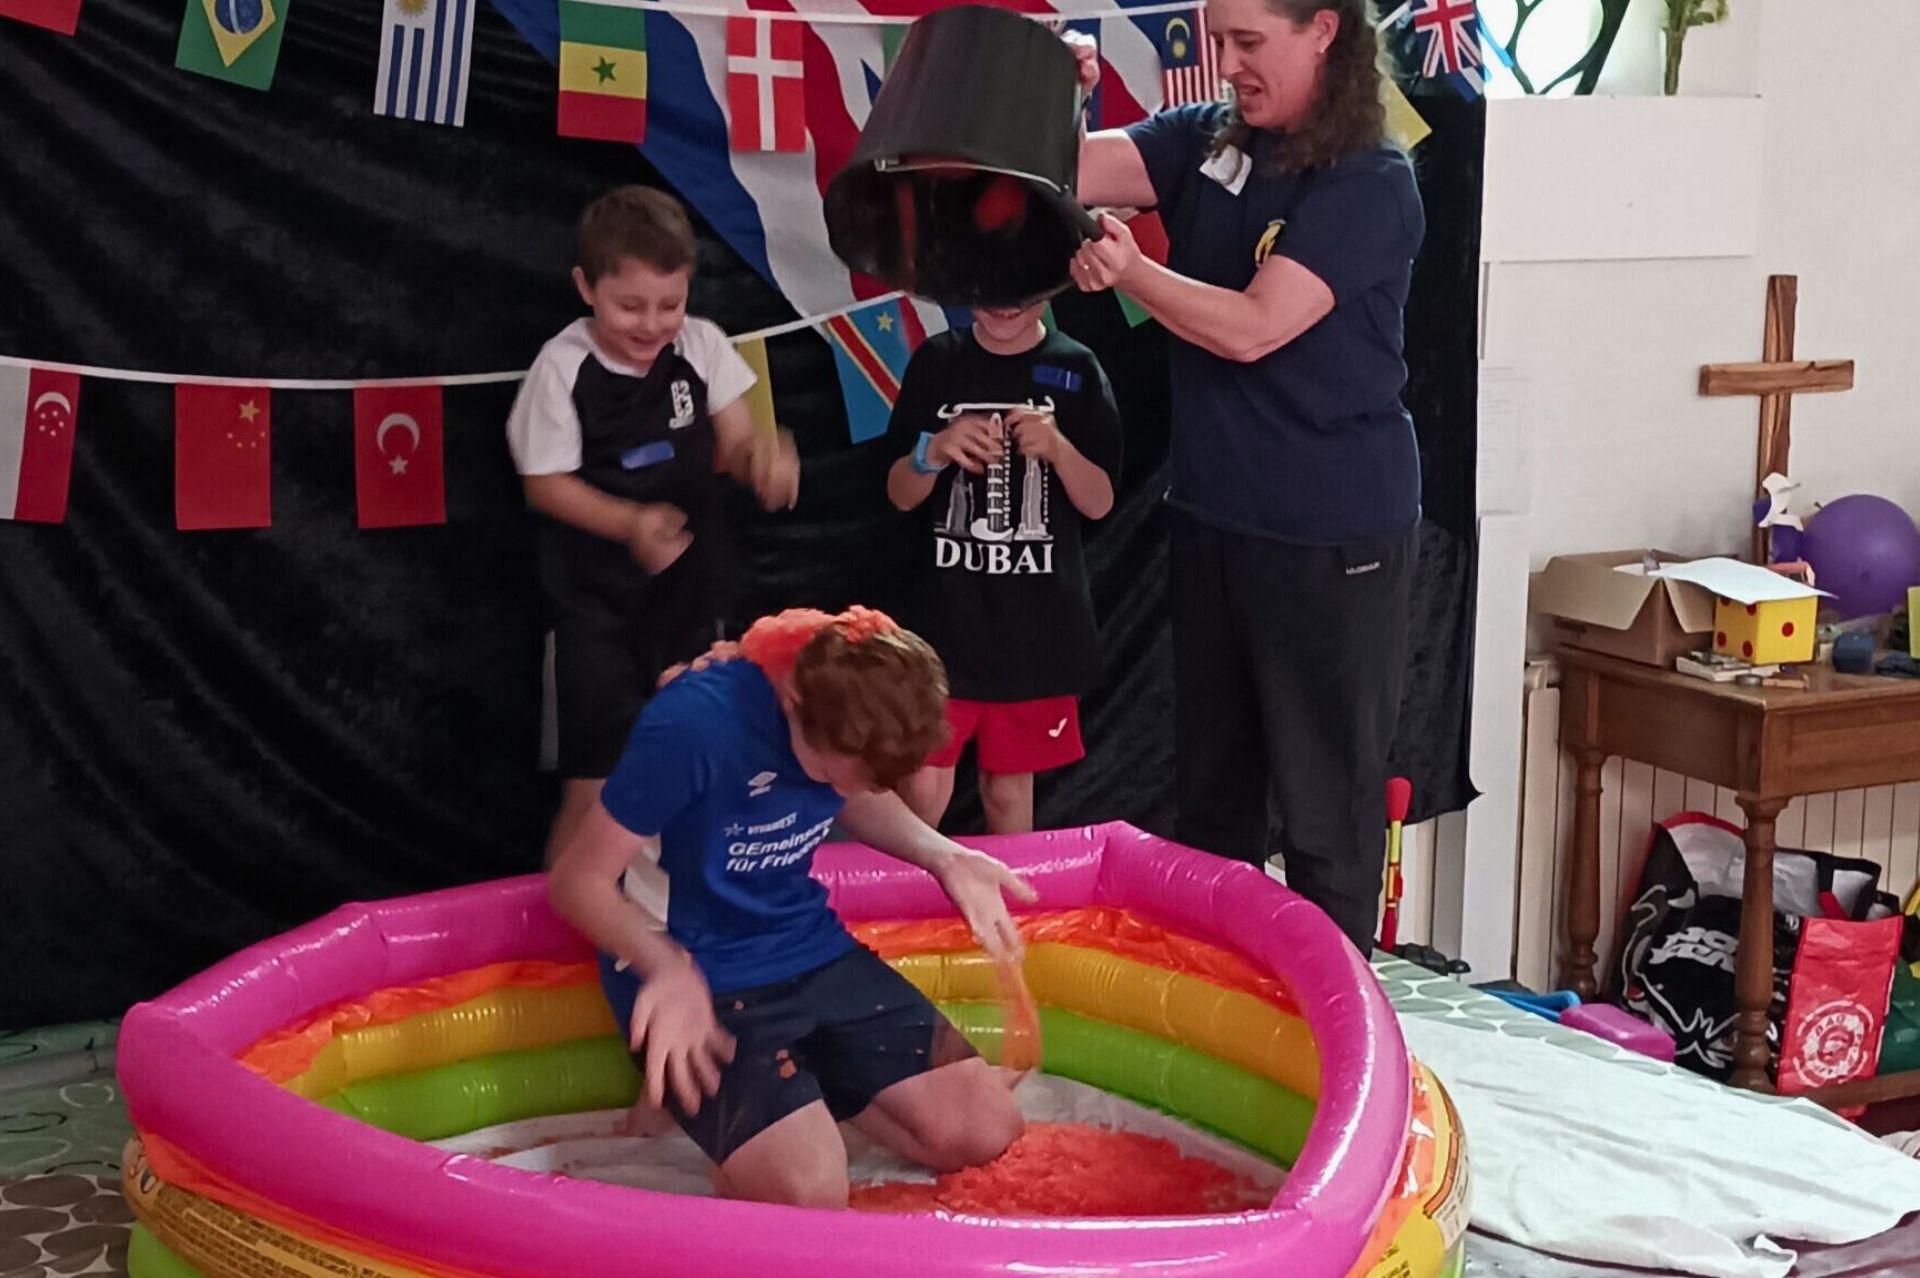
[(236, 40), (603, 71)]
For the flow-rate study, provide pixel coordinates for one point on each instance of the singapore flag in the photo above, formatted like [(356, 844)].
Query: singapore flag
[(39, 410)]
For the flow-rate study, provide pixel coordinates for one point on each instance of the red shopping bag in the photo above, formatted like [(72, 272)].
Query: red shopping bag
[(1837, 1006)]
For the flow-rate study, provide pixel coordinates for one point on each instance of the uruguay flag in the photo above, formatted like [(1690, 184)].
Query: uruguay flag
[(426, 49)]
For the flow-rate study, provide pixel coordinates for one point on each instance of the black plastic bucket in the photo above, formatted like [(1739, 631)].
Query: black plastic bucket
[(962, 187)]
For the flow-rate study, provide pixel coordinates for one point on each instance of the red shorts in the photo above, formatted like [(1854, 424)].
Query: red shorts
[(1013, 737)]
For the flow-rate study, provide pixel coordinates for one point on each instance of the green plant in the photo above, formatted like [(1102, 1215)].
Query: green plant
[(1682, 17)]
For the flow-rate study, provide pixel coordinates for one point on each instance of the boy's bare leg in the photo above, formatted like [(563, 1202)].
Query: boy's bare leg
[(950, 1118), (1008, 799), (799, 1161), (928, 792)]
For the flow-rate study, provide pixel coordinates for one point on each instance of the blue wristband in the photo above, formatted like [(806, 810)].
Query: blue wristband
[(920, 463)]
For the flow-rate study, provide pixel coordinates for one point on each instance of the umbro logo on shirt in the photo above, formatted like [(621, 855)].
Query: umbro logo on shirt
[(760, 783)]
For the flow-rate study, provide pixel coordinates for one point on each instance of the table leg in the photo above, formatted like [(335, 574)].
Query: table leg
[(1753, 964), (1583, 877)]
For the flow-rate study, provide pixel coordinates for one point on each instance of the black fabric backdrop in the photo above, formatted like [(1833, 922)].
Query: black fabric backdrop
[(207, 737)]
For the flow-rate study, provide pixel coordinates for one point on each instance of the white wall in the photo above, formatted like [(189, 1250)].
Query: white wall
[(1609, 331), (1843, 191), (1624, 450)]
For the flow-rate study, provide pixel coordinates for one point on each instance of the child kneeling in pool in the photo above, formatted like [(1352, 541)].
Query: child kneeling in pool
[(756, 1019)]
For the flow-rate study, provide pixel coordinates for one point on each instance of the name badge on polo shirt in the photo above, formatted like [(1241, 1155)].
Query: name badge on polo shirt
[(1063, 378), (647, 455), (1229, 168)]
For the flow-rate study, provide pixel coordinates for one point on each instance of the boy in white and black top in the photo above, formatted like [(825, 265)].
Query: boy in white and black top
[(617, 431), (1008, 438)]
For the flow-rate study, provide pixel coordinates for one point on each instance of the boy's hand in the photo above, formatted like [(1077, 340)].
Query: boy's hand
[(1038, 435), (971, 441), (674, 1029), (658, 536), (773, 470), (978, 886)]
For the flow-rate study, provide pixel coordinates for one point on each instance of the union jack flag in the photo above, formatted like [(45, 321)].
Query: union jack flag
[(1451, 29)]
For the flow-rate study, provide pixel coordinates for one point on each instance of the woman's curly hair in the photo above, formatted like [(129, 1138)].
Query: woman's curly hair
[(1349, 114)]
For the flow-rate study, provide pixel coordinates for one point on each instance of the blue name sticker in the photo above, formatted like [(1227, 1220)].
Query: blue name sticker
[(1063, 378), (661, 450)]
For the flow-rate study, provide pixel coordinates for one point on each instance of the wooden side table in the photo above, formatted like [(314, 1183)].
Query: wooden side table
[(1767, 745)]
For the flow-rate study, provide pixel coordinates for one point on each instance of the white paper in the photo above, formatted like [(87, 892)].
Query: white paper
[(1504, 465), (1742, 583)]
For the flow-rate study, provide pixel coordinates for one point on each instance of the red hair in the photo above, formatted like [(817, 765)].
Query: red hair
[(774, 643), (863, 686)]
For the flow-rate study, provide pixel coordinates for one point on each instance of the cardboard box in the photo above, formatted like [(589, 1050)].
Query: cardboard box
[(1596, 606)]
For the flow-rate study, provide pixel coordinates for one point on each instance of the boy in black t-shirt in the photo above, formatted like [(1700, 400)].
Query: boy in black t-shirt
[(1008, 437), (616, 431)]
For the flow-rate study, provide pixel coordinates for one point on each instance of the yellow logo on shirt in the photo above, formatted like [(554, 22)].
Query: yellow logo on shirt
[(1264, 248)]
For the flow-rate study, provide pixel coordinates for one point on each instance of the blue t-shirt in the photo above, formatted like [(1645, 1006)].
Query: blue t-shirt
[(1311, 443), (710, 768)]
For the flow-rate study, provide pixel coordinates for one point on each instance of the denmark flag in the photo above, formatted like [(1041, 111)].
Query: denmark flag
[(766, 84)]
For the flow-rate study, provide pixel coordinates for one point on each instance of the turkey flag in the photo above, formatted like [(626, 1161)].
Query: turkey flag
[(398, 465)]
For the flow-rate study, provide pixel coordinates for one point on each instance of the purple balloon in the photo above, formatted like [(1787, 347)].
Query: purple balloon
[(1865, 552)]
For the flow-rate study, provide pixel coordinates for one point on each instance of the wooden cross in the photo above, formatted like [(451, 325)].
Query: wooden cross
[(1775, 380)]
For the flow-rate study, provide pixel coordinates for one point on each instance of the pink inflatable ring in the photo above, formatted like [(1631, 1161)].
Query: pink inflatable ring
[(244, 1084)]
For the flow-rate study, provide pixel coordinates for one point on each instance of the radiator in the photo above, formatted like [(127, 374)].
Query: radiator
[(1881, 824)]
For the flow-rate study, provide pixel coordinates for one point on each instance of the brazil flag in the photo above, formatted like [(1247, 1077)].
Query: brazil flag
[(237, 40)]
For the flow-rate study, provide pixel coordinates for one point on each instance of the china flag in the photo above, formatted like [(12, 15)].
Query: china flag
[(398, 463), (222, 470), (55, 15), (39, 412)]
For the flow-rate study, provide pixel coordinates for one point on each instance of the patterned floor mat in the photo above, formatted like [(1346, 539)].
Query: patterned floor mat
[(62, 1224), (62, 1130), (61, 1211)]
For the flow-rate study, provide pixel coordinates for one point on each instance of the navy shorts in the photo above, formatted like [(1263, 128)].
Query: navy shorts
[(842, 1033)]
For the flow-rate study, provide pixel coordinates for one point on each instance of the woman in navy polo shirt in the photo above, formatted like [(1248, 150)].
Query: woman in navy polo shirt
[(1292, 226)]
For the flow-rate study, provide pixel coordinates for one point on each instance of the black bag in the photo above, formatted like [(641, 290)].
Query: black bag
[(1677, 954)]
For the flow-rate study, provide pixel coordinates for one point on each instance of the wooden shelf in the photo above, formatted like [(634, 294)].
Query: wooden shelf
[(1867, 1091)]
